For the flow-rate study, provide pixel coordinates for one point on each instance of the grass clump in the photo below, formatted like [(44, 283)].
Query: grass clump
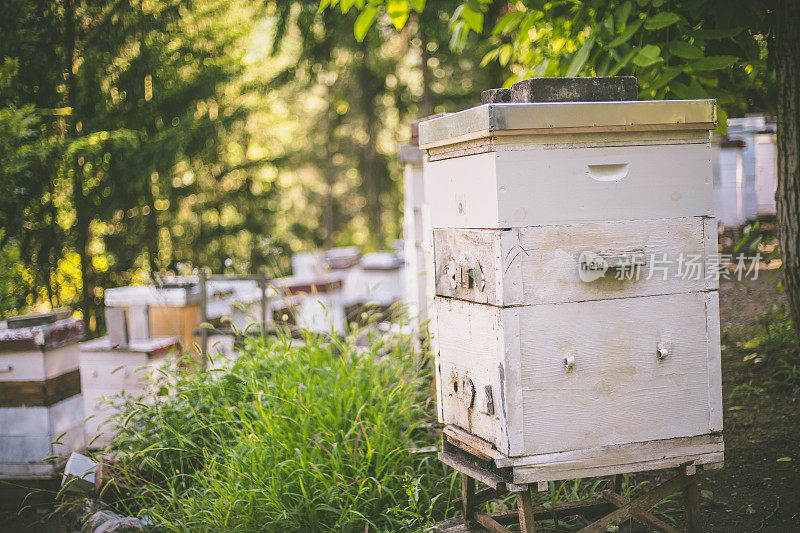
[(311, 436)]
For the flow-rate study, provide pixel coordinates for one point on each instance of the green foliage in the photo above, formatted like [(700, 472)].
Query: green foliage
[(686, 49), (294, 436), (774, 331)]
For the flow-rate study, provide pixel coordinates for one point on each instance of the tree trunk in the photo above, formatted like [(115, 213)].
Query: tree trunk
[(427, 92), (371, 172), (79, 201), (787, 197)]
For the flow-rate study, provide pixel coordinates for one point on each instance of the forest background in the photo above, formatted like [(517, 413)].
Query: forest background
[(149, 136)]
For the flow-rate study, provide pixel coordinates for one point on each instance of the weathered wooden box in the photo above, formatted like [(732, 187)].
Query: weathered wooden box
[(40, 396), (577, 317), (107, 371)]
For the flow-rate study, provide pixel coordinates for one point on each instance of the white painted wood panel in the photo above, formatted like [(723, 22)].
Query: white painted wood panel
[(462, 192), (540, 264), (61, 360), (535, 187), (618, 390), (19, 421), (714, 362), (35, 448), (102, 413), (66, 414), (120, 369), (729, 187), (43, 421), (22, 366), (470, 348), (36, 365), (766, 173)]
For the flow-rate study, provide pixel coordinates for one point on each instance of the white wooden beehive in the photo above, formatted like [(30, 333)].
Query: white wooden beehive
[(109, 371), (556, 376), (766, 173), (41, 407), (417, 269)]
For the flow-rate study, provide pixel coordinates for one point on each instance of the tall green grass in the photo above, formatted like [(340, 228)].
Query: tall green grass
[(309, 436)]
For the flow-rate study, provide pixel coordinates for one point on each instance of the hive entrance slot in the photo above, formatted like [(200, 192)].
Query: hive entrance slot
[(610, 172)]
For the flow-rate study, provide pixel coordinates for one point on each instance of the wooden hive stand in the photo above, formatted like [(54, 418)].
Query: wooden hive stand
[(610, 509)]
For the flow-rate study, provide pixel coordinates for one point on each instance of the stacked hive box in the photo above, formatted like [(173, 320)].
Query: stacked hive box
[(109, 371), (40, 393), (560, 354)]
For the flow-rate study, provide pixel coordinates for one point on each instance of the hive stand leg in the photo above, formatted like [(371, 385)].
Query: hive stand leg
[(467, 498), (694, 522), (616, 483), (525, 510)]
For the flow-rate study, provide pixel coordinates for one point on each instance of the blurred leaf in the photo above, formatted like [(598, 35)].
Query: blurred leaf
[(685, 50), (472, 18), (398, 11), (627, 33), (667, 76), (647, 56), (661, 20), (623, 62), (505, 54), (417, 5), (364, 22), (580, 58), (714, 62), (508, 22), (716, 33)]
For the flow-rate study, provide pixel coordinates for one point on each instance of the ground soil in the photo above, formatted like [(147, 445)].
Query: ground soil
[(754, 491)]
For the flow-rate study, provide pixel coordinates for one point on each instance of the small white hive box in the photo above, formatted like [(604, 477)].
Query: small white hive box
[(417, 267), (729, 182), (317, 302), (554, 358), (766, 173), (110, 367), (40, 393)]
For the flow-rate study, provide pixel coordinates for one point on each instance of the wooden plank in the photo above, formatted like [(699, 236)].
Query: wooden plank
[(618, 385), (569, 131), (40, 393), (541, 264), (484, 495), (490, 523), (694, 522), (645, 517), (530, 188), (620, 453), (485, 477), (471, 443), (714, 362), (529, 474), (565, 142), (633, 508), (468, 502), (525, 510)]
